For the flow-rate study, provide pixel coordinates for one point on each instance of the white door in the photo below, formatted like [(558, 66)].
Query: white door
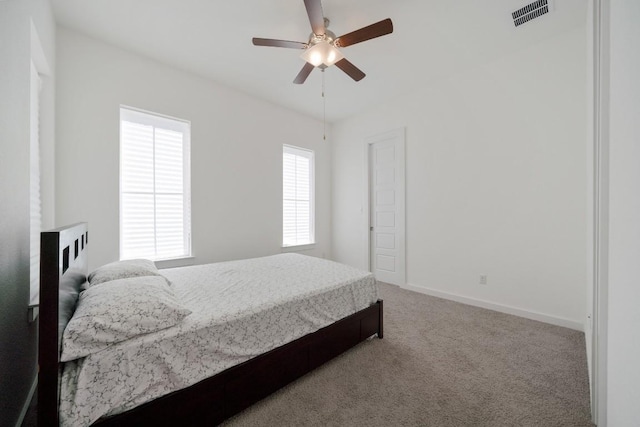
[(386, 207)]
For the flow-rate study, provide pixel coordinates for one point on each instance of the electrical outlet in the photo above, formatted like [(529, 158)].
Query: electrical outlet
[(483, 279)]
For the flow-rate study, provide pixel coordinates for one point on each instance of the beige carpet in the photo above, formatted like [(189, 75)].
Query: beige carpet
[(441, 363)]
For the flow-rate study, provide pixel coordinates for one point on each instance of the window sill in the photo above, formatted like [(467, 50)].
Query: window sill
[(174, 262), (33, 311), (298, 248)]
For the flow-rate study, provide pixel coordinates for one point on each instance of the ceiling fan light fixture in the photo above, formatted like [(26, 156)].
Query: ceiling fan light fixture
[(322, 53)]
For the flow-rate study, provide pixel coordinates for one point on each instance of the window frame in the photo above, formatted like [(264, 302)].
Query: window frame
[(157, 120), (35, 184), (310, 155)]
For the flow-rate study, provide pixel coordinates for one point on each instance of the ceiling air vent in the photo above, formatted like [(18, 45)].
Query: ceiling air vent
[(530, 11)]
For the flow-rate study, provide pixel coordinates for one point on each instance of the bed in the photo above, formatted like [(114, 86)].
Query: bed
[(232, 381)]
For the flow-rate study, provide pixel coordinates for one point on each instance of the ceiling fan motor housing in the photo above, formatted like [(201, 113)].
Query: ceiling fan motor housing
[(328, 36)]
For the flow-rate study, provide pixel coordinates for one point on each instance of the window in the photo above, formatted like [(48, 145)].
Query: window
[(155, 196), (35, 210), (297, 196)]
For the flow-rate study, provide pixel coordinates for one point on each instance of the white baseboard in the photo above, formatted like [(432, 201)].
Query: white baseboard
[(25, 407), (527, 314)]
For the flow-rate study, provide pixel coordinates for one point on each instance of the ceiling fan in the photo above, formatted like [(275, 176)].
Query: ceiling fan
[(322, 48)]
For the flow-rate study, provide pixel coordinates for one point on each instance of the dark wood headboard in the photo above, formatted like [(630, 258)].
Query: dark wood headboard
[(63, 271)]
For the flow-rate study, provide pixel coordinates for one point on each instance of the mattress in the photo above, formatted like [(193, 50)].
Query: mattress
[(240, 309)]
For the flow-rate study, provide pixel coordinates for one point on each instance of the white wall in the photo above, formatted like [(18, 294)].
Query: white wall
[(495, 181), (623, 352), (18, 337), (236, 149)]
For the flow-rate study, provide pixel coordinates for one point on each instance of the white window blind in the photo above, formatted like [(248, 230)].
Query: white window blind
[(155, 196), (297, 196), (35, 209)]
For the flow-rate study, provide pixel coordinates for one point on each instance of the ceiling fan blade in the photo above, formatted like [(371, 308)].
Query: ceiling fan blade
[(316, 17), (352, 71), (279, 43), (304, 73), (372, 31)]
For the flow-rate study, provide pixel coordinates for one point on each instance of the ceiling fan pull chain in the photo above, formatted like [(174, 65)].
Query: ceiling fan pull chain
[(324, 110)]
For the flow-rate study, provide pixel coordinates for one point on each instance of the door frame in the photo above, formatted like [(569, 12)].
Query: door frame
[(598, 235), (399, 135)]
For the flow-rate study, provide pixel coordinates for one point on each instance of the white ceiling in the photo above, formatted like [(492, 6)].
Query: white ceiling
[(431, 40)]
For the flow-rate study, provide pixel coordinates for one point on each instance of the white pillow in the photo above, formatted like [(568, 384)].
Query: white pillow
[(116, 311), (122, 270)]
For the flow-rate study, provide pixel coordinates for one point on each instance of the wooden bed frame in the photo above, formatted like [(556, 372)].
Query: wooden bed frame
[(63, 270)]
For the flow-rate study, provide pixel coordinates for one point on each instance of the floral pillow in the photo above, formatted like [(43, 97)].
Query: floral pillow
[(112, 312), (122, 270)]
